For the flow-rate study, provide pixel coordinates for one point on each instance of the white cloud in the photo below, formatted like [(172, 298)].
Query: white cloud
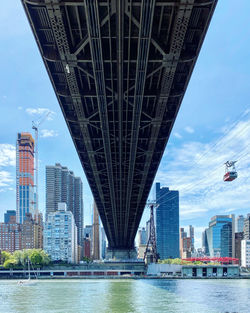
[(196, 169), (7, 155), (48, 133), (42, 112), (177, 135), (189, 129), (5, 179), (20, 108)]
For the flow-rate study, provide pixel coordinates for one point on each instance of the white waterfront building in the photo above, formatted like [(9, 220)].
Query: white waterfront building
[(60, 235), (245, 253)]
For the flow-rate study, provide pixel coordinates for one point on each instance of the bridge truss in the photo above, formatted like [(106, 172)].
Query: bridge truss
[(120, 69)]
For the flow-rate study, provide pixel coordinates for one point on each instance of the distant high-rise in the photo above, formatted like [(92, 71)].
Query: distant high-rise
[(204, 242), (87, 248), (239, 224), (185, 244), (245, 253), (221, 236), (238, 238), (96, 233), (87, 234), (191, 235), (142, 236), (183, 234), (25, 196), (167, 222), (147, 229), (103, 243), (63, 186), (10, 216), (246, 228)]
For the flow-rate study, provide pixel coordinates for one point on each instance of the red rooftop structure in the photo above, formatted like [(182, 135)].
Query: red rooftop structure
[(224, 260)]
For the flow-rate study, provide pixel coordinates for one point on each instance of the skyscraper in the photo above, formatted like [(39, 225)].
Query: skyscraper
[(238, 238), (246, 228), (96, 234), (103, 243), (142, 236), (191, 235), (185, 244), (63, 186), (167, 222), (221, 236), (239, 225), (204, 242), (147, 230), (25, 196), (10, 216), (88, 242)]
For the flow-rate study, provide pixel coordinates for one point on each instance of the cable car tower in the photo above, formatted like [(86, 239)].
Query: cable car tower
[(150, 254), (230, 171)]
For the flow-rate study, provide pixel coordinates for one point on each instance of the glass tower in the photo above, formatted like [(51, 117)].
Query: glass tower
[(239, 225), (25, 198), (9, 215), (220, 236), (167, 222)]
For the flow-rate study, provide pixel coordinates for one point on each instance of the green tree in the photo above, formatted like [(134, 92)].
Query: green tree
[(5, 255), (36, 257), (45, 258), (9, 263), (25, 256), (18, 256)]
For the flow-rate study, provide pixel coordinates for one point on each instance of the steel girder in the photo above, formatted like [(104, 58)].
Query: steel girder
[(120, 69)]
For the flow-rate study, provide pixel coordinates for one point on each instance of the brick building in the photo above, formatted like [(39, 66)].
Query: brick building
[(10, 237)]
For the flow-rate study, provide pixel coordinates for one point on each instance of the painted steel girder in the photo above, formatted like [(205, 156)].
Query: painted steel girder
[(120, 70)]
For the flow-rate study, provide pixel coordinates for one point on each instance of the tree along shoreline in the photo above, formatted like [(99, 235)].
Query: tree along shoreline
[(19, 259)]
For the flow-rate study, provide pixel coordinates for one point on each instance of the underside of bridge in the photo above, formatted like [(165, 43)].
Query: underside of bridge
[(120, 69)]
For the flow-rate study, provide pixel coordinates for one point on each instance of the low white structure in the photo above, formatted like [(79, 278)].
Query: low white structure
[(60, 235), (245, 253), (164, 269)]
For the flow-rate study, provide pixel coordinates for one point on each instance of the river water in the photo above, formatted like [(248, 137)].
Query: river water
[(152, 296)]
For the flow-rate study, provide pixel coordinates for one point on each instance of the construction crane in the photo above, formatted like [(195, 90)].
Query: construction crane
[(35, 126), (151, 254)]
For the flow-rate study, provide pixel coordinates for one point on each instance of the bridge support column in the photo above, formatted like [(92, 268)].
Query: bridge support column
[(121, 254)]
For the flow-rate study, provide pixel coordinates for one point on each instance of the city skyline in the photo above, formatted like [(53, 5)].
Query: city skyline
[(198, 147)]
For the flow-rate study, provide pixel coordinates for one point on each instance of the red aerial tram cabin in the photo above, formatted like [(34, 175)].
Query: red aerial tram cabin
[(229, 176), (230, 171)]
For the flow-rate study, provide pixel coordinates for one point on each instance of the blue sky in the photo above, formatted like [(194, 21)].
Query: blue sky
[(213, 124)]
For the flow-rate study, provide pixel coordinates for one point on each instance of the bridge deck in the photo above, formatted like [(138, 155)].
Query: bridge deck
[(120, 70)]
